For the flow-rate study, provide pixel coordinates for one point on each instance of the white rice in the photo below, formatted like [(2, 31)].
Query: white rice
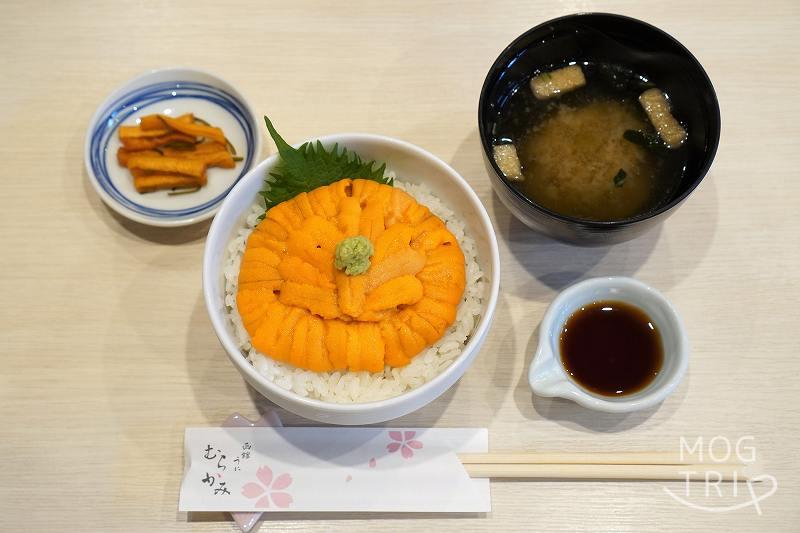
[(352, 387)]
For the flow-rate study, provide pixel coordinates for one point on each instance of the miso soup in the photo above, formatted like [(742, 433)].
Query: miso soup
[(590, 153)]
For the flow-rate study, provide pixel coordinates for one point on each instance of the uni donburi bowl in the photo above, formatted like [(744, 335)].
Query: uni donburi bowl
[(411, 164)]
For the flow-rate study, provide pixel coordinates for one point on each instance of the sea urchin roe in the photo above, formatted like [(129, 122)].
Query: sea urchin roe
[(299, 308)]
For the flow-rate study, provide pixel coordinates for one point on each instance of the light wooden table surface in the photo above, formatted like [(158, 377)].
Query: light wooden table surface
[(108, 354)]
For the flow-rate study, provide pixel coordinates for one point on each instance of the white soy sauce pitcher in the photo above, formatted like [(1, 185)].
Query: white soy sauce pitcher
[(547, 375)]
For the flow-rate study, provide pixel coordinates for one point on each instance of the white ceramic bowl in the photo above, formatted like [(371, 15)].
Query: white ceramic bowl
[(169, 91), (547, 376), (411, 164)]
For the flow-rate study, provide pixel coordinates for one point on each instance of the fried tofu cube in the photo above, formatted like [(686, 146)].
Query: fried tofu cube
[(656, 106), (551, 84), (505, 155)]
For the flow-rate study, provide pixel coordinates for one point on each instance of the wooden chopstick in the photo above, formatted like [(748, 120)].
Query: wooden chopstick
[(663, 472), (663, 466), (584, 458)]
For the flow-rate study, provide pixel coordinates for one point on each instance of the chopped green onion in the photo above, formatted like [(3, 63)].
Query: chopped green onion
[(619, 178), (230, 146), (651, 141)]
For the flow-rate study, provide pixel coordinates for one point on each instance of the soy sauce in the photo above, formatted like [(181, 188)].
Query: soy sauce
[(611, 348)]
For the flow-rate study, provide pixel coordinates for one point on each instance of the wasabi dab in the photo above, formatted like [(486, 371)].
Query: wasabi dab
[(352, 255)]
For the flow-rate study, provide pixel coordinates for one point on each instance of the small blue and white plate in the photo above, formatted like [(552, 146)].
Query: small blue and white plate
[(173, 92)]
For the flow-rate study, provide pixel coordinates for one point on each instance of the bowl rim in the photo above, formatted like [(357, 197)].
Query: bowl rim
[(711, 148), (240, 360), (112, 96)]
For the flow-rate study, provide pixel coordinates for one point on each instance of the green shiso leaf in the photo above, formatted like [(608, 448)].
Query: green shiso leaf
[(310, 166)]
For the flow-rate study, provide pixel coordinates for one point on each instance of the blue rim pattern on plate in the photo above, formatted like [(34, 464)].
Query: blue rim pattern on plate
[(122, 108)]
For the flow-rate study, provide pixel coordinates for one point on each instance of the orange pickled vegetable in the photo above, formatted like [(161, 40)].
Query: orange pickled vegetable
[(188, 167), (318, 318), (211, 146), (153, 122), (135, 132), (172, 153), (150, 143), (123, 155), (211, 159), (194, 129), (153, 182)]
